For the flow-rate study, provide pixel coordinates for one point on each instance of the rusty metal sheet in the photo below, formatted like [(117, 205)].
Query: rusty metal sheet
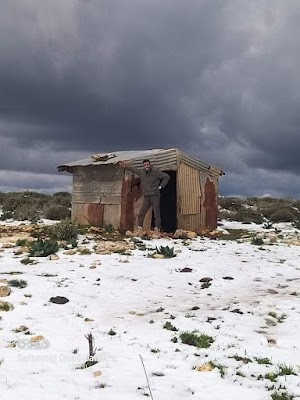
[(210, 204), (88, 214), (94, 214), (130, 198)]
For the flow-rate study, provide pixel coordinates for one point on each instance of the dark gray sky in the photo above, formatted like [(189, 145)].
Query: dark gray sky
[(219, 79)]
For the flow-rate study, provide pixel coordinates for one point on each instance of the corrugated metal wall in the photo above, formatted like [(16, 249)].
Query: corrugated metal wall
[(196, 199), (188, 180)]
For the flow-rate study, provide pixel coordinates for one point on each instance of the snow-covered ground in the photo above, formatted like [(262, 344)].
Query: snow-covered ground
[(134, 296)]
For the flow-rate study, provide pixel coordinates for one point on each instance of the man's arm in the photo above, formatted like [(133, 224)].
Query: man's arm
[(126, 165), (164, 179)]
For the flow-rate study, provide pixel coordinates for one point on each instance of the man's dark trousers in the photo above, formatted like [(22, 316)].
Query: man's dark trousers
[(149, 201)]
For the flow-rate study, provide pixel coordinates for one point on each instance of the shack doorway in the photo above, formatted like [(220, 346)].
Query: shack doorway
[(168, 204)]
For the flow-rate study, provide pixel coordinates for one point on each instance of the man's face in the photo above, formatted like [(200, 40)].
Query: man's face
[(147, 166)]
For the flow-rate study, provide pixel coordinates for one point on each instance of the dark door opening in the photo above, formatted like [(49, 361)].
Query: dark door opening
[(168, 204)]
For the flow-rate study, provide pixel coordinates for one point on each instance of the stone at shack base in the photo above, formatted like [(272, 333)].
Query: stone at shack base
[(182, 234)]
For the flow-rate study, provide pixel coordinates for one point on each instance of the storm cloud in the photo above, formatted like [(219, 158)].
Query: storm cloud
[(218, 79)]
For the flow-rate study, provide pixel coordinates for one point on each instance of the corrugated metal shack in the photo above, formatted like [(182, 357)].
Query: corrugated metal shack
[(104, 194)]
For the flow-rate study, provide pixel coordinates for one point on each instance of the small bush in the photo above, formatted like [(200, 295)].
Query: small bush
[(248, 215), (6, 306), (170, 327), (65, 230), (57, 213), (201, 341), (43, 248), (18, 283), (282, 396), (231, 203), (6, 215), (27, 212), (283, 215), (109, 228), (257, 241), (22, 242), (166, 251)]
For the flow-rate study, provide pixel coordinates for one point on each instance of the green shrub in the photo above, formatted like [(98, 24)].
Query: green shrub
[(193, 339), (6, 215), (231, 203), (257, 241), (248, 215), (65, 230), (57, 213), (27, 212), (283, 215), (43, 248), (22, 242), (166, 251), (170, 327)]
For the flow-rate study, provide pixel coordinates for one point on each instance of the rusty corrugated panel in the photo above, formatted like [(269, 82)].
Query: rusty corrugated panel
[(210, 204), (189, 190)]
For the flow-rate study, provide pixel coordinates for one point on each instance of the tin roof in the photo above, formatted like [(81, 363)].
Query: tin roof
[(160, 157)]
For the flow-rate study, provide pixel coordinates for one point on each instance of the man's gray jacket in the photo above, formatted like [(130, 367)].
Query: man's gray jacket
[(151, 180)]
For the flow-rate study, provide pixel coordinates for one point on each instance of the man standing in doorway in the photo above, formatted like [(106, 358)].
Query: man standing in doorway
[(152, 181)]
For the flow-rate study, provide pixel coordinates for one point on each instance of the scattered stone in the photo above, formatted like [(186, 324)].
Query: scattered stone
[(97, 373), (156, 255), (237, 311), (272, 291), (211, 319), (195, 308), (59, 300), (182, 234), (5, 291), (228, 278), (88, 320), (7, 246), (19, 252), (109, 247), (186, 269), (207, 367), (205, 285), (21, 328), (160, 309), (70, 252), (158, 374), (53, 257), (271, 321), (37, 338), (206, 279), (271, 341)]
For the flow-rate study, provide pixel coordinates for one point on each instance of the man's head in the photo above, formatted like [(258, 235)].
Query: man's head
[(147, 165)]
